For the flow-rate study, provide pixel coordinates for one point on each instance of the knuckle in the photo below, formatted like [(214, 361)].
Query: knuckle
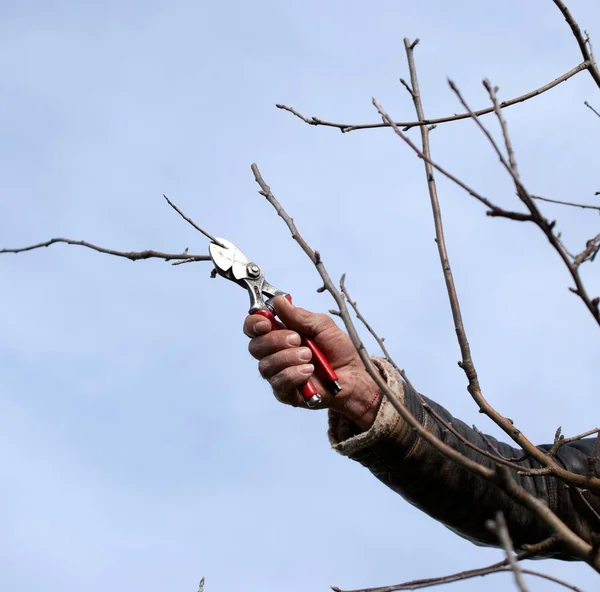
[(323, 322), (281, 381), (287, 397), (303, 313), (263, 368), (254, 348)]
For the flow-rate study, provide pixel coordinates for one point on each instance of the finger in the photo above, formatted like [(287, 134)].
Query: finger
[(279, 361), (300, 319), (291, 378), (265, 345), (255, 325)]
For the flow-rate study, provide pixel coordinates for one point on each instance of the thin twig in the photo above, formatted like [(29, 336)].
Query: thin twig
[(590, 107), (131, 255), (407, 87), (500, 567), (190, 221), (560, 440), (348, 127), (495, 449), (370, 329), (566, 203), (501, 529), (592, 512), (494, 210), (589, 253), (497, 457)]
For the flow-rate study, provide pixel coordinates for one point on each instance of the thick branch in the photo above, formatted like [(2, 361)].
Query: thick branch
[(348, 127), (131, 255)]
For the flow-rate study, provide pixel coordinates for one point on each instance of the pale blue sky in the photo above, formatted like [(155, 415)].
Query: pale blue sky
[(140, 450)]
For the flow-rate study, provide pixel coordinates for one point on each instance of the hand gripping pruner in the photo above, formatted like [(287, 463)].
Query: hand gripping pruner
[(233, 265)]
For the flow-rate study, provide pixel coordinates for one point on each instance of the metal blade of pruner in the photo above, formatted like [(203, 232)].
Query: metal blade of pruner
[(231, 263)]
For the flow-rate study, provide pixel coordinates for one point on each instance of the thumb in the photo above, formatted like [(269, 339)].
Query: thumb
[(300, 319)]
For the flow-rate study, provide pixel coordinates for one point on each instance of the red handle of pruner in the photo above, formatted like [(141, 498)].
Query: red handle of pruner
[(308, 390)]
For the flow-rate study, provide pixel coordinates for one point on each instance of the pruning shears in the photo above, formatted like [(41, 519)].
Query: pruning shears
[(233, 265)]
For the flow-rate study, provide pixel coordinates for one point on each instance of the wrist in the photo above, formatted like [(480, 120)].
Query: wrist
[(360, 405)]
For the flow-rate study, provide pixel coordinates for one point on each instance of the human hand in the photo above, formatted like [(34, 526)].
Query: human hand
[(286, 365)]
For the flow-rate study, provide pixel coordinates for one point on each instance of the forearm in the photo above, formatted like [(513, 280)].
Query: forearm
[(444, 490)]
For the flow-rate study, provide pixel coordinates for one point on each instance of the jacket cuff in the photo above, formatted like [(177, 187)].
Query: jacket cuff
[(346, 437)]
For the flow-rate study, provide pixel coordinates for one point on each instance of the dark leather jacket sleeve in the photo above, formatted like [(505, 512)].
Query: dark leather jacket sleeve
[(449, 493)]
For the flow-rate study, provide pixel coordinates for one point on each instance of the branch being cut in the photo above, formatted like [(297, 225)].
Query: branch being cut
[(131, 255), (348, 127), (184, 257), (192, 223)]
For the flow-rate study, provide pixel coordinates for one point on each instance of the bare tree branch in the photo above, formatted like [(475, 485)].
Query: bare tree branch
[(378, 339), (577, 480), (131, 255), (466, 364), (584, 43), (467, 361), (501, 529), (589, 253), (500, 567), (590, 107), (536, 216), (348, 127), (566, 203), (190, 221), (496, 457), (459, 577)]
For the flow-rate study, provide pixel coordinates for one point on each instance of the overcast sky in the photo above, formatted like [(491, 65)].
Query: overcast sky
[(139, 448)]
